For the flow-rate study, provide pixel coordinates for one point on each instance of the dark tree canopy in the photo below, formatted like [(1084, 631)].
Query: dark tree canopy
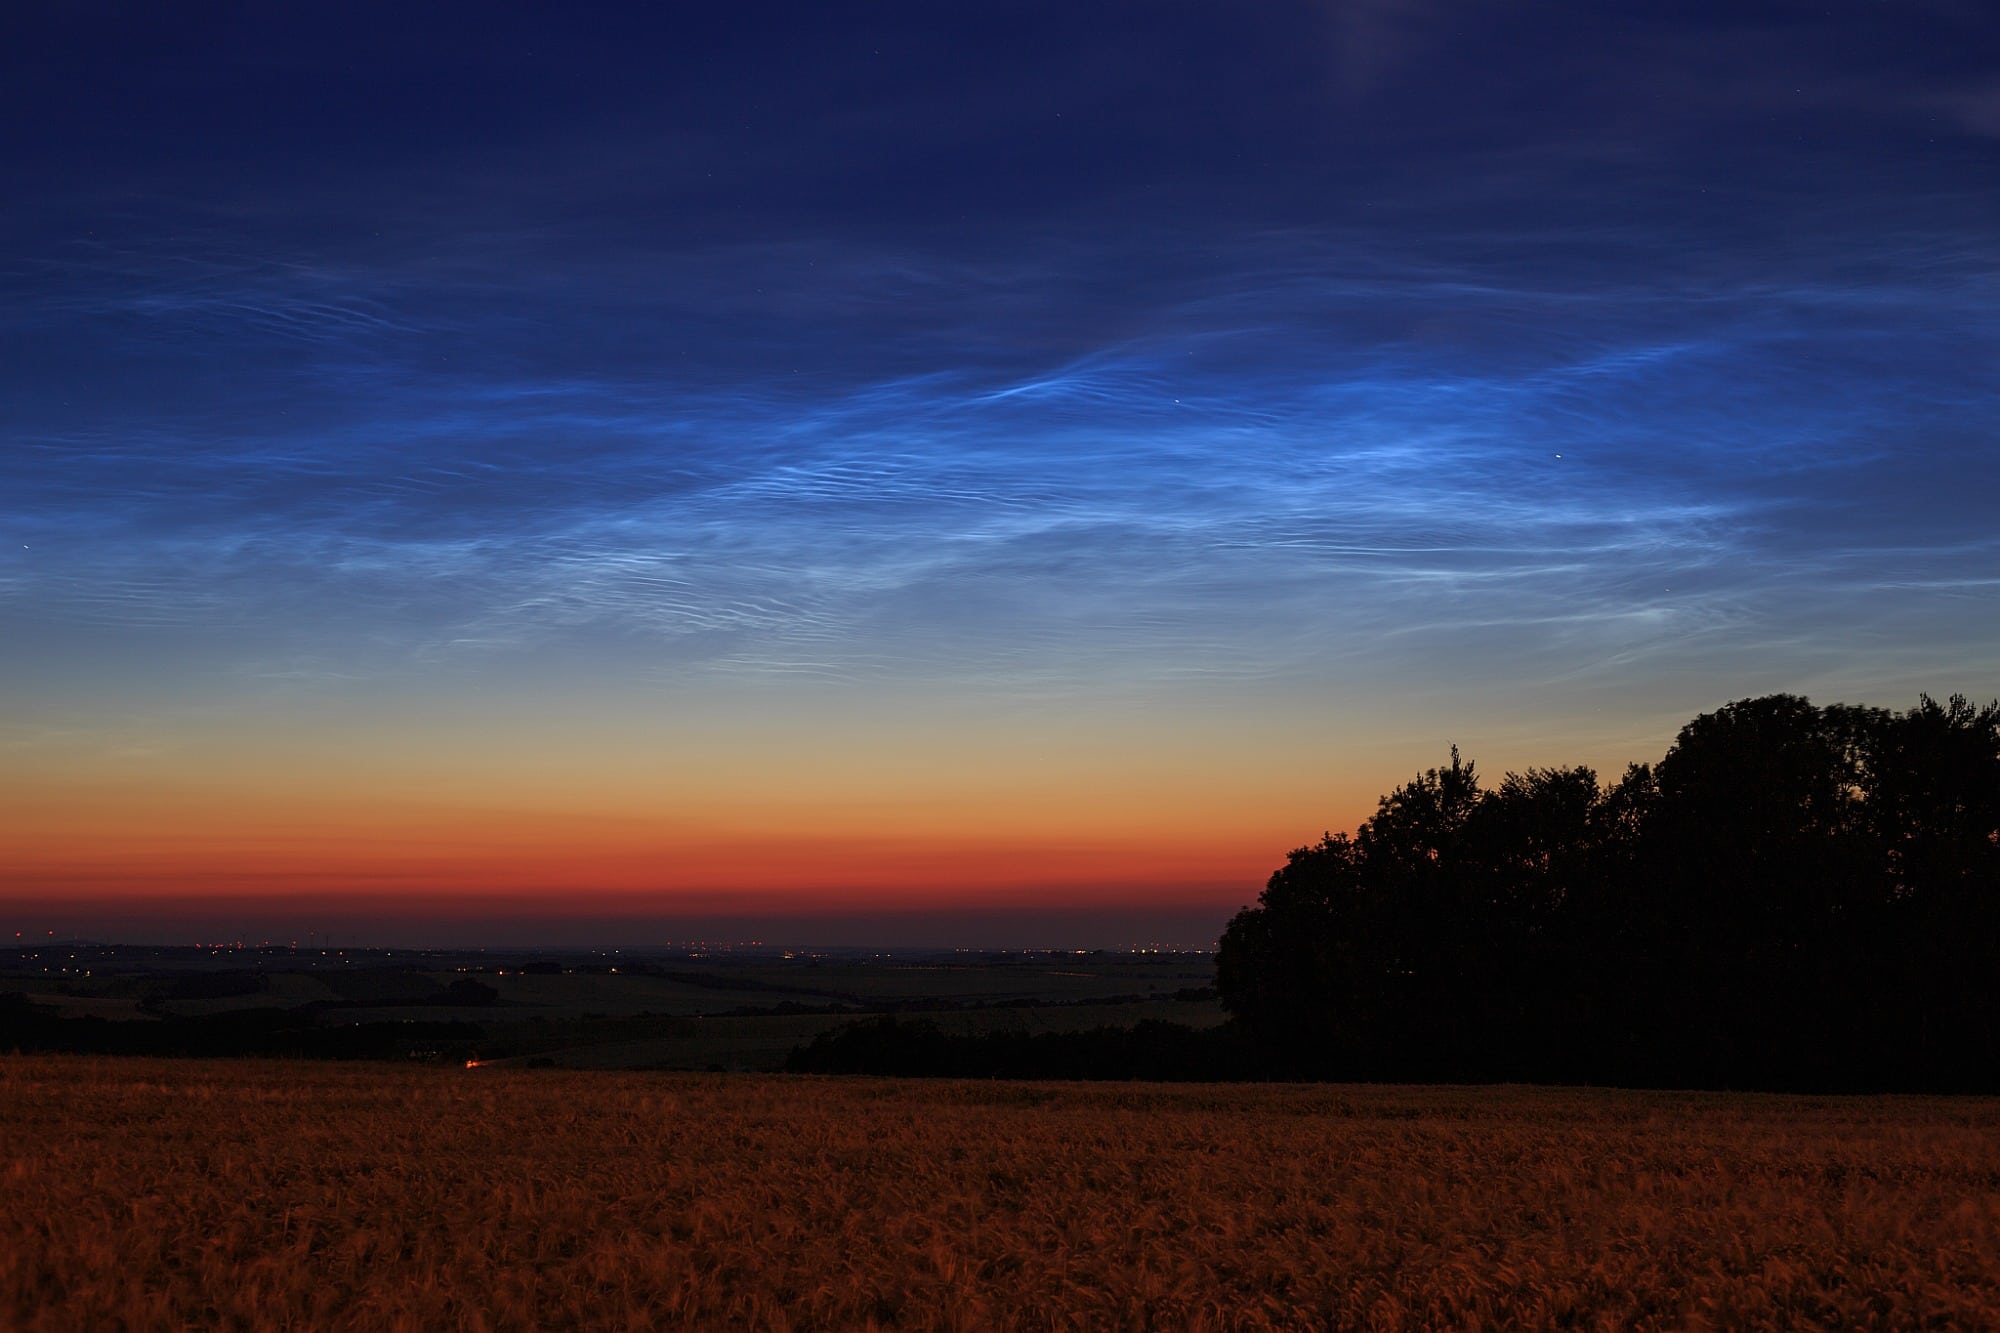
[(1793, 896)]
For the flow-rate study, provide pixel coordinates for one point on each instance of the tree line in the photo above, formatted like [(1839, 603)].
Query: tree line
[(1794, 896)]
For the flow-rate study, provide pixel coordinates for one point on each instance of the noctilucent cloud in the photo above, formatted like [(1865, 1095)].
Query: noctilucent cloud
[(985, 474)]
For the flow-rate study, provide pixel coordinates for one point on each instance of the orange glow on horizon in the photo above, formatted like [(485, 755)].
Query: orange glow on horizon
[(794, 813), (150, 844)]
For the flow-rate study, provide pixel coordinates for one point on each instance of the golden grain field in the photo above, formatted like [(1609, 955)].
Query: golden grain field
[(247, 1195)]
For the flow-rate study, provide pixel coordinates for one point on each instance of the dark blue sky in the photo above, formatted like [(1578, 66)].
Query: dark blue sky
[(1358, 376)]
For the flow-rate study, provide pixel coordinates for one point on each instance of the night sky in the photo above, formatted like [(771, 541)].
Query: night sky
[(984, 474)]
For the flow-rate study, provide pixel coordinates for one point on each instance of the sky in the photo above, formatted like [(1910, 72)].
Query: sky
[(983, 474)]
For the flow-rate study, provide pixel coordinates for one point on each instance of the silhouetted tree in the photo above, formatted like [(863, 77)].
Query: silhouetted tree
[(1754, 876), (1793, 896), (1303, 969), (1932, 788), (1354, 944)]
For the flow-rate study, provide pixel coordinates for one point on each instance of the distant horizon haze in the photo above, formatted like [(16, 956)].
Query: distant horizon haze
[(526, 922)]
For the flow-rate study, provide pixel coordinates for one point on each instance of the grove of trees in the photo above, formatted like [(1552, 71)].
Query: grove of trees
[(1794, 896)]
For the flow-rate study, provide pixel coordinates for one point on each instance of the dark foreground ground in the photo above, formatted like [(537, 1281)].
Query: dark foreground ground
[(256, 1194)]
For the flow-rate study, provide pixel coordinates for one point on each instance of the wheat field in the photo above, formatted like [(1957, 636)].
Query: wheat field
[(253, 1195)]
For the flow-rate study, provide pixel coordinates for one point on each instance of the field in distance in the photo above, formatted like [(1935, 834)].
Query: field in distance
[(241, 1193), (735, 1009)]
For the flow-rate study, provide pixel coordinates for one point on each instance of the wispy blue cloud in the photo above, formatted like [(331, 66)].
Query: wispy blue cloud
[(1595, 400)]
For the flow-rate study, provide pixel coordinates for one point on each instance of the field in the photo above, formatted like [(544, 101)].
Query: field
[(242, 1194), (741, 1010)]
